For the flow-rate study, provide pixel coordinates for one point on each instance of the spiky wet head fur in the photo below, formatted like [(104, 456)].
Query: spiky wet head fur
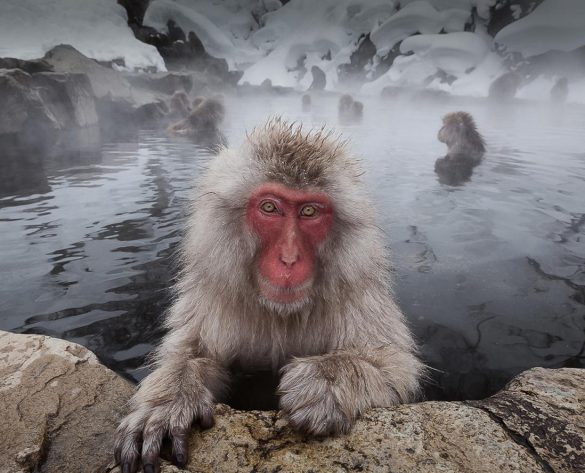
[(460, 134), (220, 252)]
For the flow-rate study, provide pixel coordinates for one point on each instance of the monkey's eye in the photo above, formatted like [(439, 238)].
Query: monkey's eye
[(308, 211), (268, 207)]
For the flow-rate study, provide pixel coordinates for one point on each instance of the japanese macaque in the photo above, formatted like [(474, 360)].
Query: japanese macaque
[(179, 106), (306, 101), (198, 101), (466, 148), (203, 123), (350, 110), (357, 110), (560, 91), (284, 269), (344, 105)]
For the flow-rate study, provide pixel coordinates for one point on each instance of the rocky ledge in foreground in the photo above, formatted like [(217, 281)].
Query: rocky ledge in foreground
[(60, 407)]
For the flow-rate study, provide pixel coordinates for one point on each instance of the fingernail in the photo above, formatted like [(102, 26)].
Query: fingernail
[(148, 468), (180, 459)]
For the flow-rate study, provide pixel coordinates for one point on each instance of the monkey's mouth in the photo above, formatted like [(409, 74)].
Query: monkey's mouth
[(284, 294)]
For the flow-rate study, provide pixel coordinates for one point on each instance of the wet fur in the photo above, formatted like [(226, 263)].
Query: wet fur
[(349, 110), (345, 351), (460, 134), (203, 122)]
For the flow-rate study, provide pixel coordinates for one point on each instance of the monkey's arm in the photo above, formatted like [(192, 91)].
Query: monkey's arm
[(181, 390), (325, 394)]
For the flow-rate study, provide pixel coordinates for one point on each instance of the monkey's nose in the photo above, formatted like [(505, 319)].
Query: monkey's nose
[(289, 258)]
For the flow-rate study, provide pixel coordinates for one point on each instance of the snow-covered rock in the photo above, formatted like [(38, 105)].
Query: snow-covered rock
[(305, 33), (555, 25), (224, 27), (97, 28), (417, 17), (454, 53)]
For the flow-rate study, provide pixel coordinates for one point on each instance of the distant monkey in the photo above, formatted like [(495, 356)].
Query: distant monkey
[(283, 269), (460, 134), (350, 110), (306, 101), (345, 102), (466, 147), (204, 121), (179, 106), (198, 101), (357, 110), (560, 91)]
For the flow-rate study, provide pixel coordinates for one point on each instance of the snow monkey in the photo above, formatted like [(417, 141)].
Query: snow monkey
[(203, 123), (179, 106), (350, 110), (466, 148), (460, 134), (284, 269), (344, 106)]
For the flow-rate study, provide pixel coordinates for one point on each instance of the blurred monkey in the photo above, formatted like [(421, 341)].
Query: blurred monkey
[(203, 123), (466, 148)]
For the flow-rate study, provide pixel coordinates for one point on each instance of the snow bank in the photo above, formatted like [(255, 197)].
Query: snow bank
[(417, 17), (97, 28), (454, 53), (224, 27), (464, 55), (555, 25), (306, 33)]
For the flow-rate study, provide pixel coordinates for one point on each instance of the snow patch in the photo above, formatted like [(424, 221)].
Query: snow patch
[(554, 25), (417, 17), (454, 53), (96, 28)]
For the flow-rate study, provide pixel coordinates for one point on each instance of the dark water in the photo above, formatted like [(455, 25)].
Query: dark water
[(490, 273)]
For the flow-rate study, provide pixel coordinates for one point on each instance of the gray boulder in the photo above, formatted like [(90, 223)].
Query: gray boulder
[(59, 406), (35, 105)]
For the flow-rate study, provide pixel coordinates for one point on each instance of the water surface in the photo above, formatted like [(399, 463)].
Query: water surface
[(491, 273)]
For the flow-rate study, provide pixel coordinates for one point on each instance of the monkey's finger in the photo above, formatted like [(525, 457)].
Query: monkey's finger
[(180, 442), (128, 439), (154, 431), (205, 418)]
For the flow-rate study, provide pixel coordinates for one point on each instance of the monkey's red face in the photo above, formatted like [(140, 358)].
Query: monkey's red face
[(290, 224)]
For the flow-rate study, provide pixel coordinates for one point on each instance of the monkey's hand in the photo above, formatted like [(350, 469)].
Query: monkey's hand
[(165, 406), (324, 395)]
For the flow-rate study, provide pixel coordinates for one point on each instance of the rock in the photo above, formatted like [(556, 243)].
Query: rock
[(504, 87), (105, 81), (37, 65), (59, 406), (69, 97), (545, 410), (536, 424), (163, 82), (319, 79), (356, 70), (135, 10), (39, 105), (124, 101)]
